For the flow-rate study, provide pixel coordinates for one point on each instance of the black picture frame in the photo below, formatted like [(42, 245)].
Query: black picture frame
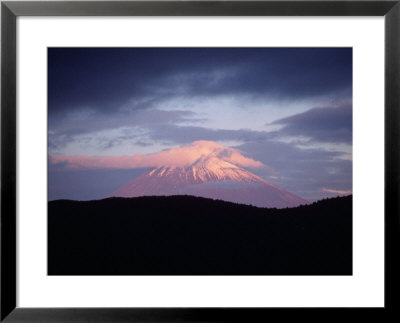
[(10, 10)]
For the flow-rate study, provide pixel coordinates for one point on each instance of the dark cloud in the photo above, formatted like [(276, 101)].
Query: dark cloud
[(328, 124), (187, 134), (322, 125), (105, 79)]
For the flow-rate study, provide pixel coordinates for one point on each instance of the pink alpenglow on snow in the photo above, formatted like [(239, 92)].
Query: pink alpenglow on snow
[(204, 169)]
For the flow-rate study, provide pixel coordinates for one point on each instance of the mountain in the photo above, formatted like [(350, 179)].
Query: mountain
[(187, 235), (214, 172)]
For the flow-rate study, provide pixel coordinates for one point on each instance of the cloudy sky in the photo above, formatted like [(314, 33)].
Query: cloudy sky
[(289, 108)]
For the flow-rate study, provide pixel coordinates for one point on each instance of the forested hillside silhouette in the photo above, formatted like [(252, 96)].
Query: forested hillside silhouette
[(186, 235)]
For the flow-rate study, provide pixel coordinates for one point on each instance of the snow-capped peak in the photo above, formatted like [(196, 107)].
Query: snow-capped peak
[(207, 169), (211, 170)]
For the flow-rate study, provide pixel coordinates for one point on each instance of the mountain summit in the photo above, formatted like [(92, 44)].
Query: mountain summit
[(208, 169)]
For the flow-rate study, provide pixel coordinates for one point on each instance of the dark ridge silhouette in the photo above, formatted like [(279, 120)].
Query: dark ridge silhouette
[(187, 235)]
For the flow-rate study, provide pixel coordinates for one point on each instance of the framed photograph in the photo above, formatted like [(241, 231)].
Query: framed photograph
[(180, 179), (198, 161)]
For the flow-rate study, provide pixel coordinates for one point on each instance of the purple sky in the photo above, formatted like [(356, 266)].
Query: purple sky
[(290, 108)]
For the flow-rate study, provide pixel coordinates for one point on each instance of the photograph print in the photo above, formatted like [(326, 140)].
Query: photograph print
[(200, 161)]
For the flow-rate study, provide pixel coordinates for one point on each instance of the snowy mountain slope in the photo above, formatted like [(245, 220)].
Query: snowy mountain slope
[(214, 174)]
